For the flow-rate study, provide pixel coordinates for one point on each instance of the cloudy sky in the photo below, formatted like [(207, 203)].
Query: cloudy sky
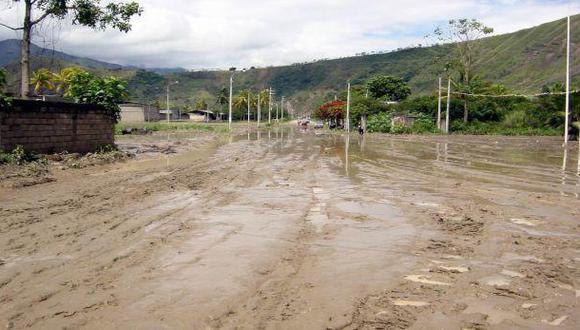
[(202, 34)]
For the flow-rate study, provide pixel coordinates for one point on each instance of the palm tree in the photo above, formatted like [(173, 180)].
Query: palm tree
[(241, 101), (63, 78), (42, 79)]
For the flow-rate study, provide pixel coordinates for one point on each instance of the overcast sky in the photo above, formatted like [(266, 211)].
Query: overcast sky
[(198, 34)]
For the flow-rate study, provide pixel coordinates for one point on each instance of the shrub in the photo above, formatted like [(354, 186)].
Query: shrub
[(379, 123), (84, 87), (18, 156)]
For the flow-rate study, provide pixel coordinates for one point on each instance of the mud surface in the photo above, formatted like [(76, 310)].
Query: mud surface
[(294, 230)]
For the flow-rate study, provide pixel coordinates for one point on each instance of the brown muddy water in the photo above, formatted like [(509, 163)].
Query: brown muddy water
[(291, 229)]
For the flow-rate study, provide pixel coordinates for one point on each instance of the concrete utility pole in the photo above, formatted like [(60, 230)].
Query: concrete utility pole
[(233, 70), (347, 123), (439, 107), (567, 121), (270, 106), (277, 113), (448, 105), (259, 110), (249, 100)]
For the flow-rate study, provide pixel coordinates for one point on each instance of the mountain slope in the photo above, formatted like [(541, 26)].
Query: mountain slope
[(524, 61), (10, 53)]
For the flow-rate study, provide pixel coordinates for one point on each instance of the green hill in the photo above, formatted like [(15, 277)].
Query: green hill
[(524, 61)]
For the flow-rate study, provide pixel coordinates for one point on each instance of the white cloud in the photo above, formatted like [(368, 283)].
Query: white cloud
[(221, 33)]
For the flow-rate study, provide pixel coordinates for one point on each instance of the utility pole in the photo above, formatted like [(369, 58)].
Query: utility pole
[(347, 123), (277, 113), (270, 106), (259, 109), (448, 105), (567, 121), (249, 107), (167, 105), (439, 107), (233, 70)]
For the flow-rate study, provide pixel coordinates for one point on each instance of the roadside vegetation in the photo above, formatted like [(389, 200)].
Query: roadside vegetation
[(80, 86), (162, 126), (478, 107)]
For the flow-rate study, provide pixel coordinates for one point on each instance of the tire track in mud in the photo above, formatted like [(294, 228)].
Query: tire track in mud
[(118, 223), (273, 298)]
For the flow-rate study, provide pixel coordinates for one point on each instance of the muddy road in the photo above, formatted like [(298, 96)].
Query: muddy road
[(286, 229)]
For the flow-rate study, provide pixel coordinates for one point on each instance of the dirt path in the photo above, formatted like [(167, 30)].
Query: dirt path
[(293, 230)]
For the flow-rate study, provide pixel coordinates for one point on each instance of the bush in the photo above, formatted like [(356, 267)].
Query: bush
[(379, 123), (423, 126), (18, 156), (480, 128), (84, 87)]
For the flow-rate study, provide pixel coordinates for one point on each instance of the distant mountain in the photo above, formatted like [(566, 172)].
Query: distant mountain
[(10, 53)]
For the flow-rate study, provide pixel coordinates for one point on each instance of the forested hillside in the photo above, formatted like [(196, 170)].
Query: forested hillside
[(524, 61)]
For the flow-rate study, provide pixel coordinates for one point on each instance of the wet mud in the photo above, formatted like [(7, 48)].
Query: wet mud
[(299, 230)]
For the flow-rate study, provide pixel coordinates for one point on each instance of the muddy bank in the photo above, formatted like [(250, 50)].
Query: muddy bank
[(290, 229)]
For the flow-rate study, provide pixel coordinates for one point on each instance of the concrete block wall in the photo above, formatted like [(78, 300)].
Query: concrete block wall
[(48, 127)]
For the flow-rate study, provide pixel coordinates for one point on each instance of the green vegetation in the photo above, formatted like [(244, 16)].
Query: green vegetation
[(173, 126), (19, 156), (87, 88), (523, 61), (81, 86), (4, 100), (388, 88)]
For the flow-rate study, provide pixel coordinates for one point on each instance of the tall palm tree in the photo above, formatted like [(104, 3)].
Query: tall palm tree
[(42, 80)]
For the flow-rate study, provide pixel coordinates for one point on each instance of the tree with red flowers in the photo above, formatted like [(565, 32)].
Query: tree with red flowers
[(331, 111)]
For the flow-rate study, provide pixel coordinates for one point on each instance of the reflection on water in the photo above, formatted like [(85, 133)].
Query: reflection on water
[(504, 164)]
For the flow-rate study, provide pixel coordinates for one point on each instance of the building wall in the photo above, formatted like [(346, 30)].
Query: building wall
[(46, 127), (137, 113)]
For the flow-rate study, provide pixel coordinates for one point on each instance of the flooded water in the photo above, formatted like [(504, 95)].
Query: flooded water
[(509, 164), (293, 229)]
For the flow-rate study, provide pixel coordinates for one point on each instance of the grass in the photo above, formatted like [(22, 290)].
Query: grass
[(163, 126)]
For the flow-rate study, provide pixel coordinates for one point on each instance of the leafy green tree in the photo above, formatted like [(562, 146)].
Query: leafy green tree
[(223, 98), (42, 80), (4, 100), (388, 87), (108, 92), (201, 104), (90, 13), (465, 35)]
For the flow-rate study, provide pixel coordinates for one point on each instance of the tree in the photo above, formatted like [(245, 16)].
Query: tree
[(4, 100), (42, 80), (464, 34), (388, 87), (201, 104), (108, 92), (61, 80), (334, 110), (223, 97), (88, 13)]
